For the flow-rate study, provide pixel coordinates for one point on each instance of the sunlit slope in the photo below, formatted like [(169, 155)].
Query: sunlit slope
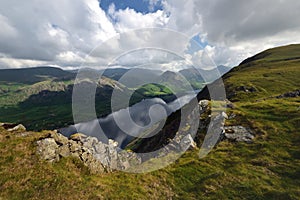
[(268, 74)]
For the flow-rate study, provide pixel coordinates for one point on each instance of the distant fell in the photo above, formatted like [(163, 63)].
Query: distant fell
[(34, 75)]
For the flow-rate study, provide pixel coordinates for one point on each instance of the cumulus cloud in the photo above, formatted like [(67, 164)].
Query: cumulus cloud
[(184, 16), (146, 56), (237, 29), (243, 28), (136, 45), (130, 19), (50, 31), (64, 32), (232, 21)]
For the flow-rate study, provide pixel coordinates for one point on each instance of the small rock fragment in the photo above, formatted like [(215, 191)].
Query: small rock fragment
[(238, 134)]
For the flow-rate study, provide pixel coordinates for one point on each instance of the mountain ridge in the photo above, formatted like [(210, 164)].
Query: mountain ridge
[(265, 168), (260, 73), (34, 74)]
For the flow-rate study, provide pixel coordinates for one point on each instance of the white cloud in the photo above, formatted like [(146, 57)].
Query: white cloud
[(102, 26), (45, 32), (183, 16), (146, 56), (237, 29), (130, 19), (203, 59), (19, 63), (64, 32), (69, 57)]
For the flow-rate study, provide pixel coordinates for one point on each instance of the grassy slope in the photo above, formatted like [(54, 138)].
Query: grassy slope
[(33, 116), (17, 86), (154, 91), (271, 73), (56, 113), (267, 169)]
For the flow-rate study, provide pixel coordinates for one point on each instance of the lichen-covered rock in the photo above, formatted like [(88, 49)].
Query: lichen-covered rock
[(94, 165), (215, 130), (47, 149), (64, 151), (97, 156), (59, 138), (224, 115), (74, 146), (203, 105), (77, 136)]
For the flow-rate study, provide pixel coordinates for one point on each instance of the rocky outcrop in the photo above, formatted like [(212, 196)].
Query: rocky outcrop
[(289, 94), (175, 136), (246, 89), (215, 130), (203, 106), (238, 134), (19, 127), (13, 127), (97, 156), (214, 127), (48, 149)]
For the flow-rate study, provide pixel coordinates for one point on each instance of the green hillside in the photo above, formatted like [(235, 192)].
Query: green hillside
[(41, 97), (267, 168), (268, 74)]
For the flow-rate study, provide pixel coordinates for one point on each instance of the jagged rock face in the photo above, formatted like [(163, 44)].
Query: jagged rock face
[(97, 156)]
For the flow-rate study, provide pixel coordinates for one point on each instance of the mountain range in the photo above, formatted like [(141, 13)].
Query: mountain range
[(262, 97), (41, 97)]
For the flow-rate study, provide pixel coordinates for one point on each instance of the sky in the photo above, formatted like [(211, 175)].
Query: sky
[(99, 33)]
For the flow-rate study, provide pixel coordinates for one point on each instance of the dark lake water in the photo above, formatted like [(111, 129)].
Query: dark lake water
[(147, 116)]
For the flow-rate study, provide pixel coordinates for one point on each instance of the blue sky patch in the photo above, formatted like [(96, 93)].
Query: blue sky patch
[(142, 6), (196, 44)]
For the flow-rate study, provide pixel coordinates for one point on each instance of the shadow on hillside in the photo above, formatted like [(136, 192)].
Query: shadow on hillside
[(53, 109)]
